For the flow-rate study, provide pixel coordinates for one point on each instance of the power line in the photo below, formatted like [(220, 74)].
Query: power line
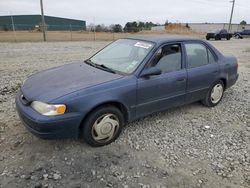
[(242, 7), (211, 3)]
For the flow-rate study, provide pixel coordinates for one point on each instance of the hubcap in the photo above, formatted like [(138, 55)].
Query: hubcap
[(216, 93), (105, 128)]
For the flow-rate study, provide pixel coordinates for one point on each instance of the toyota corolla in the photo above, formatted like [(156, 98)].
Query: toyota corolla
[(128, 79)]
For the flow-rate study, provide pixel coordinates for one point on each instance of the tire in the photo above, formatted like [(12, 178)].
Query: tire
[(228, 38), (207, 38), (211, 101), (107, 120)]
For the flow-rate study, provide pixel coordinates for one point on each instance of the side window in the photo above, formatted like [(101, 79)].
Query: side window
[(168, 58), (196, 55)]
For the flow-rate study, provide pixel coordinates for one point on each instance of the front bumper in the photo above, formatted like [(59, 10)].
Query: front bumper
[(54, 127)]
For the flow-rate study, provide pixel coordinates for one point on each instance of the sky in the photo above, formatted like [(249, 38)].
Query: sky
[(121, 11)]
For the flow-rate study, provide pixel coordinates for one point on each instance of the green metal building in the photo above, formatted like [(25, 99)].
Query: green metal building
[(31, 22)]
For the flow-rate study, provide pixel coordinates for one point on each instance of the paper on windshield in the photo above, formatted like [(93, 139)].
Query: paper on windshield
[(143, 45)]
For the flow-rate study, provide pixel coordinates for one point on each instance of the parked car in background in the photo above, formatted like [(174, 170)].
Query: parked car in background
[(126, 80), (242, 34), (219, 34)]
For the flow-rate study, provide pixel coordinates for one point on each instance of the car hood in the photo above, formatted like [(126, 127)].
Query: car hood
[(56, 82)]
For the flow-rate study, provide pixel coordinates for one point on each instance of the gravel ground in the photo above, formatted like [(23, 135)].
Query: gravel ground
[(189, 146)]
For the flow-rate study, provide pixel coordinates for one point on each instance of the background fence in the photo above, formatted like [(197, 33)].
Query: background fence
[(33, 33), (31, 36), (68, 32)]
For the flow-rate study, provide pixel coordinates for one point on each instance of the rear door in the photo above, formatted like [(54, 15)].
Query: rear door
[(166, 90), (202, 70), (224, 33)]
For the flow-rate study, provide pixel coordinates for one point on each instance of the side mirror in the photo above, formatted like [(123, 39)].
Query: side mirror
[(150, 72)]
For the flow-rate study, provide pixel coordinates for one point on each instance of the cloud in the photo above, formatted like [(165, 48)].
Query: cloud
[(120, 11)]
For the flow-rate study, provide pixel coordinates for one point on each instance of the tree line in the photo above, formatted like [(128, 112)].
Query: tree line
[(131, 27)]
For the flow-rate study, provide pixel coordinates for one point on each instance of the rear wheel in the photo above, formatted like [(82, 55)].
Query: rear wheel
[(228, 38), (208, 38), (214, 94), (102, 126)]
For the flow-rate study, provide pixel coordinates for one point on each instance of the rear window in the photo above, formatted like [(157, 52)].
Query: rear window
[(199, 55), (196, 55)]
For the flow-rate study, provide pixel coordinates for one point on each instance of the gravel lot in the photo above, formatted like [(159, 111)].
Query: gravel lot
[(189, 146)]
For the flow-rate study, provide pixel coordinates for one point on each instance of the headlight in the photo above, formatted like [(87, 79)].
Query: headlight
[(48, 109)]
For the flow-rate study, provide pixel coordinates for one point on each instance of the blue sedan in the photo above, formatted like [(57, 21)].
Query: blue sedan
[(128, 79)]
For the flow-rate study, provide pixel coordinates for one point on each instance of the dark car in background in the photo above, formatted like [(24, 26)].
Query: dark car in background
[(242, 34), (219, 34), (127, 80)]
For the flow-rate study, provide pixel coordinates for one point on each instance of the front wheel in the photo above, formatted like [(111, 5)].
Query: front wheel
[(102, 126), (214, 94)]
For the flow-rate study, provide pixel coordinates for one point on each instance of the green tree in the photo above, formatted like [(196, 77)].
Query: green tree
[(117, 28), (131, 27), (127, 27), (166, 23), (141, 25), (101, 28), (243, 22), (135, 27), (98, 28)]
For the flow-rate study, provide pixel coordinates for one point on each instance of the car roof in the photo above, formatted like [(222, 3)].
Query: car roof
[(159, 39)]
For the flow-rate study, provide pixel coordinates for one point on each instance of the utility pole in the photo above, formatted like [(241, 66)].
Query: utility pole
[(94, 31), (231, 17), (43, 21), (70, 32), (13, 27)]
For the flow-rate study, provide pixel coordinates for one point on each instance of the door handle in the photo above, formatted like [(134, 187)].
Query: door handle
[(181, 79)]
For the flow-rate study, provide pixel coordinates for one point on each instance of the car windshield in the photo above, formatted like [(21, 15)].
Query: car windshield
[(123, 55), (215, 31)]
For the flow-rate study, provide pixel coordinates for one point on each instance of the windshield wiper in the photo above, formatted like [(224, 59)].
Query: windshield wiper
[(89, 62), (103, 67)]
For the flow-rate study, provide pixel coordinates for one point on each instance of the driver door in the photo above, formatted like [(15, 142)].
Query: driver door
[(159, 92)]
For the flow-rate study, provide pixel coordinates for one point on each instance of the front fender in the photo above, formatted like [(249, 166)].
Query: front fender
[(122, 91)]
